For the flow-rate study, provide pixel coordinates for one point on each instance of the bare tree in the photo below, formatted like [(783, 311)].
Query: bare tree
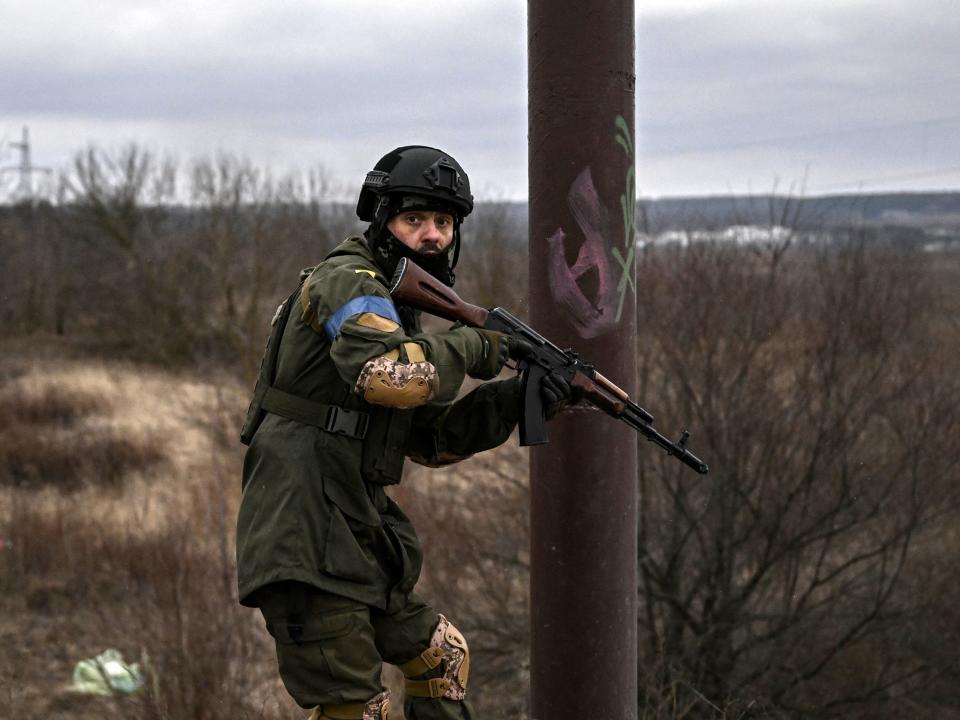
[(184, 266), (34, 272), (493, 265), (112, 193), (814, 392)]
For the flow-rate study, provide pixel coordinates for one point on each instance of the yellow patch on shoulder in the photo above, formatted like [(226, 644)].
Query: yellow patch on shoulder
[(371, 273), (377, 322)]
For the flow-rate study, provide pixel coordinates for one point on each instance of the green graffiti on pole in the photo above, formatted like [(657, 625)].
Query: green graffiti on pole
[(628, 205)]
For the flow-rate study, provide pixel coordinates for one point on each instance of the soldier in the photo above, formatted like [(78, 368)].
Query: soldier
[(350, 386)]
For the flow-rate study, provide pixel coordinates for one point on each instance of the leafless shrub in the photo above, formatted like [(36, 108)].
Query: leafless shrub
[(251, 236), (493, 264), (36, 278), (809, 379)]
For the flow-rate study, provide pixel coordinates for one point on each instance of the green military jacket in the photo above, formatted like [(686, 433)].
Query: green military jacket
[(313, 507)]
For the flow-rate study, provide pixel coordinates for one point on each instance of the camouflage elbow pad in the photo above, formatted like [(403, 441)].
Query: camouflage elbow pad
[(385, 380)]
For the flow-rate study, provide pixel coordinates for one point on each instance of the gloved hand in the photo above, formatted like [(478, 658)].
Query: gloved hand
[(496, 353), (556, 393), (520, 349)]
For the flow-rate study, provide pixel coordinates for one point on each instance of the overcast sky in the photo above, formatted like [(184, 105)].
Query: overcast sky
[(732, 95)]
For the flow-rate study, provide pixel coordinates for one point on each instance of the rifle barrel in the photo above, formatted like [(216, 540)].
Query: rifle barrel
[(677, 450)]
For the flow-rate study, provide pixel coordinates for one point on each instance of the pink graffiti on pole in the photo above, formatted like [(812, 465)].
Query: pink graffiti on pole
[(590, 317)]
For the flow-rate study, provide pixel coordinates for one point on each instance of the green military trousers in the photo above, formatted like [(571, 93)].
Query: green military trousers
[(331, 649)]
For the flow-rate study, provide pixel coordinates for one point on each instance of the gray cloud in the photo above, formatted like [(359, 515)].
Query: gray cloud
[(843, 90), (292, 77), (731, 95)]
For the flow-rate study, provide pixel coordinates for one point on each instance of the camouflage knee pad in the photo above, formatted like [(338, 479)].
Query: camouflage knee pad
[(448, 650)]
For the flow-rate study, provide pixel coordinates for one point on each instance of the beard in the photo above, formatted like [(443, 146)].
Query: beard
[(388, 251)]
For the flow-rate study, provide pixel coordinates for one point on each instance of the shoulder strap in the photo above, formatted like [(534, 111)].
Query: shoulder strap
[(268, 367), (266, 398)]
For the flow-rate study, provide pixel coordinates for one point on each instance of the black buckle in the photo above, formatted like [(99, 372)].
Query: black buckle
[(352, 423)]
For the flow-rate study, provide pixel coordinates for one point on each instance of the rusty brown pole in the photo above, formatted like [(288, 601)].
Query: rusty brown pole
[(583, 483)]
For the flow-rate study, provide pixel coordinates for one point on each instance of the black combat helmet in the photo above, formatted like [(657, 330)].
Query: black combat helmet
[(416, 170), (414, 177)]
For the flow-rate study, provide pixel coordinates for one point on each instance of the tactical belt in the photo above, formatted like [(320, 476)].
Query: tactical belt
[(332, 418)]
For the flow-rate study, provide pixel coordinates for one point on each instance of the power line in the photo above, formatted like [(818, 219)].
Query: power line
[(920, 174), (835, 104), (924, 124)]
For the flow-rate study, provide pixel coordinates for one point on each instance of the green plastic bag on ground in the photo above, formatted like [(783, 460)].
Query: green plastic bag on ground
[(107, 674)]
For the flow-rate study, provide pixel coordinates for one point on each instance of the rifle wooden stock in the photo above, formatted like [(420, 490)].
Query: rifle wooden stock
[(414, 286)]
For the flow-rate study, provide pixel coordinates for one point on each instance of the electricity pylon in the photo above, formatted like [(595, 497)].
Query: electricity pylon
[(25, 167)]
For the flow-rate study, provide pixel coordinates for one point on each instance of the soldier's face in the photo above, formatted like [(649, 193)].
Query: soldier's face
[(423, 231)]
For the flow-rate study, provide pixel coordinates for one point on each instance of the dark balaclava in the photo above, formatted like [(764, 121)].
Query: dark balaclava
[(388, 250)]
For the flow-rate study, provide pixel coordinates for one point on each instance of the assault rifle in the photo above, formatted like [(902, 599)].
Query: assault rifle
[(413, 286)]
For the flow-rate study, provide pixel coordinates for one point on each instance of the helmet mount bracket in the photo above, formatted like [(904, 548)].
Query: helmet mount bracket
[(443, 175)]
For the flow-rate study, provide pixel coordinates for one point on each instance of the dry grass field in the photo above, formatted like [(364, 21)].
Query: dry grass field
[(118, 489), (119, 486)]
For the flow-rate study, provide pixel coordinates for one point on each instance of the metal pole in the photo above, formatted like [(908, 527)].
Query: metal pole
[(583, 483)]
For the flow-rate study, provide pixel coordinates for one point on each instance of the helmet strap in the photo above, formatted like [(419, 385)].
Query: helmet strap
[(456, 248)]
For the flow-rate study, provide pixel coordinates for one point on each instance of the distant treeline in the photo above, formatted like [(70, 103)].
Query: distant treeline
[(831, 211), (139, 260)]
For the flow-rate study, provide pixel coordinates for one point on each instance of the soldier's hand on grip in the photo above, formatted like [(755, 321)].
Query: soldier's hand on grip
[(496, 353), (557, 393), (520, 349)]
